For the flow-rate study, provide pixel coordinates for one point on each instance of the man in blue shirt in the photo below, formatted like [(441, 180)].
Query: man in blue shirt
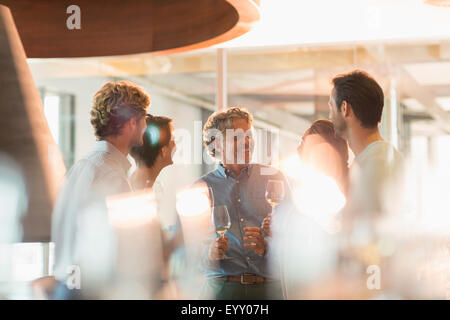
[(245, 273)]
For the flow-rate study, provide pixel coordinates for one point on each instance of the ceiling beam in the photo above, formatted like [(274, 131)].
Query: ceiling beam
[(409, 86), (246, 61)]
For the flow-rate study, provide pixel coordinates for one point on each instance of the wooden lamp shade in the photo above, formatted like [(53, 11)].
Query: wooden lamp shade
[(24, 133), (117, 27)]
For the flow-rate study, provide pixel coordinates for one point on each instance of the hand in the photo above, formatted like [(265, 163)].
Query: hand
[(255, 237), (265, 226), (217, 248)]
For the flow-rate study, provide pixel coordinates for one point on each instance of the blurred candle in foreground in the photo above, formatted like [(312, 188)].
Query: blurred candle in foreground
[(139, 254), (194, 208), (121, 248)]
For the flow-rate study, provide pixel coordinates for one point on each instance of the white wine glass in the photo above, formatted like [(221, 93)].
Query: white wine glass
[(222, 221), (274, 193)]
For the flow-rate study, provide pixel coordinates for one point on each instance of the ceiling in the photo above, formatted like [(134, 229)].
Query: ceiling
[(313, 22), (287, 61)]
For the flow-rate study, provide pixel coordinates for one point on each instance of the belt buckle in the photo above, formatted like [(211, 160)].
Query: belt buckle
[(247, 282)]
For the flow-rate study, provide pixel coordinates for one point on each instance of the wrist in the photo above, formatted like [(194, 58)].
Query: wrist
[(264, 249)]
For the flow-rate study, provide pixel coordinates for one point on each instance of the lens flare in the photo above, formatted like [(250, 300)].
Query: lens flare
[(318, 195), (315, 194), (193, 202), (131, 209), (154, 134), (292, 166)]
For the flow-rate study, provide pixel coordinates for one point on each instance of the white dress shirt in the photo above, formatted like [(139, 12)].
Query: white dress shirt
[(103, 172), (375, 180)]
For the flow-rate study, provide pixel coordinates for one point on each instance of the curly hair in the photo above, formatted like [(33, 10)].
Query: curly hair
[(221, 121), (115, 104)]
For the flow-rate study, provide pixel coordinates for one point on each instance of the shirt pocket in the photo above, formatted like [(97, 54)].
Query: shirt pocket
[(258, 203), (257, 193)]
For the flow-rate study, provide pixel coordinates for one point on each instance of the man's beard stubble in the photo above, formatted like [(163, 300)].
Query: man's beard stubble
[(340, 127)]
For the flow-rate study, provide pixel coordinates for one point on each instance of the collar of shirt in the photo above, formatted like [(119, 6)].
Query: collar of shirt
[(372, 149), (105, 146), (225, 173)]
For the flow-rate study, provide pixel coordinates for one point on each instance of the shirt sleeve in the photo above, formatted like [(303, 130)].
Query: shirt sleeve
[(71, 200)]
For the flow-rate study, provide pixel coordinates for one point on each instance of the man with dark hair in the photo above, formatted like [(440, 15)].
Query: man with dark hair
[(118, 118), (356, 105), (363, 93)]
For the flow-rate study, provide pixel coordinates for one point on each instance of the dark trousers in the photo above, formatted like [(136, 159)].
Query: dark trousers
[(229, 290)]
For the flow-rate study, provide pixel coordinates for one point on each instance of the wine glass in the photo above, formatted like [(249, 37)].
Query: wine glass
[(274, 193), (222, 221)]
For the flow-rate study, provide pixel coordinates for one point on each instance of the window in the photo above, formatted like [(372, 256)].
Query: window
[(59, 110)]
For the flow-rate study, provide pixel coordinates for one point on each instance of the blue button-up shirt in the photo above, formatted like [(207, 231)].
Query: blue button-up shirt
[(244, 196)]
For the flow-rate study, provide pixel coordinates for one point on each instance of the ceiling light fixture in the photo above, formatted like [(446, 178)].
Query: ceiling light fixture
[(440, 3)]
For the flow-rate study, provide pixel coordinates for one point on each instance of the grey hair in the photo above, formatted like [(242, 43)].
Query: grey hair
[(220, 122)]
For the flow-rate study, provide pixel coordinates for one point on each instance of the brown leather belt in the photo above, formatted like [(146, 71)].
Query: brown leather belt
[(246, 278)]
